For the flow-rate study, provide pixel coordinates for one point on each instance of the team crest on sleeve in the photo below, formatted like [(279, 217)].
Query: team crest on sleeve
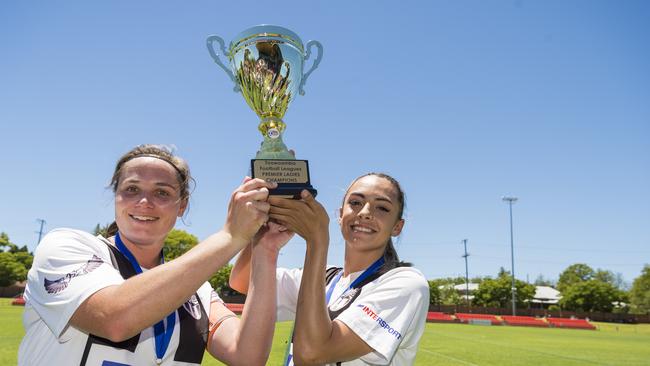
[(60, 284), (193, 307), (345, 299)]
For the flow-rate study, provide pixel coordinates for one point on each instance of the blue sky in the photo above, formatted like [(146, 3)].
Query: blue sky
[(462, 101)]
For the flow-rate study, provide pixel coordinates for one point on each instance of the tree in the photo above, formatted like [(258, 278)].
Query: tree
[(219, 281), (14, 262), (435, 298), (498, 292), (4, 240), (614, 279), (605, 276), (575, 273), (178, 242), (101, 230), (16, 249), (503, 272), (640, 292), (25, 258), (542, 281), (11, 269), (450, 296), (590, 295), (442, 291), (5, 243)]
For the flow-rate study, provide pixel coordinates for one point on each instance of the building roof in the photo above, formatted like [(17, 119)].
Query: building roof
[(543, 294), (546, 295), (463, 287)]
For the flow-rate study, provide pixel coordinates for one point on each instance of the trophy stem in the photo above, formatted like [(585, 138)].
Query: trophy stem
[(273, 147), (271, 126)]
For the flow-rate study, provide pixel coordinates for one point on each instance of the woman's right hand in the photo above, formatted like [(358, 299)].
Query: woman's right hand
[(272, 237), (306, 217), (248, 209)]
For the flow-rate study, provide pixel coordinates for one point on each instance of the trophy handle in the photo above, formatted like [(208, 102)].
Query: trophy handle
[(319, 57), (217, 60)]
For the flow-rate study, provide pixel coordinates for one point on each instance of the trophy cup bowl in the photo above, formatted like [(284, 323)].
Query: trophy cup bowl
[(266, 65)]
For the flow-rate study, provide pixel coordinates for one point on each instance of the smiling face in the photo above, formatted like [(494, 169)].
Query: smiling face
[(147, 201), (370, 215)]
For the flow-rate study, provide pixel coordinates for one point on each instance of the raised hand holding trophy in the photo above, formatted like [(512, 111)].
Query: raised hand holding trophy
[(266, 65)]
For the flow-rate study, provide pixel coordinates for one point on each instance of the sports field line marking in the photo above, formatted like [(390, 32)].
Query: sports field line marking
[(573, 358), (448, 357)]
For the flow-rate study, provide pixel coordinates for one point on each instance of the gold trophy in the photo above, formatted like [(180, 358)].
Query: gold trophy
[(266, 65)]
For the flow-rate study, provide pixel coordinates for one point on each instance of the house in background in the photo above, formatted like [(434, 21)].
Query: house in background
[(462, 290), (545, 296)]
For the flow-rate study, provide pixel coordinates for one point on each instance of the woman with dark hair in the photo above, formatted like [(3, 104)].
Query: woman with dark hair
[(113, 301), (371, 311)]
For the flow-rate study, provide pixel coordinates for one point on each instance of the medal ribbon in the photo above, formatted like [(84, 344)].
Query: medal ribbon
[(368, 272), (162, 336)]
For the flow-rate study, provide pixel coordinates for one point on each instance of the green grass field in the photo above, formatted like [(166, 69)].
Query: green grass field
[(457, 344)]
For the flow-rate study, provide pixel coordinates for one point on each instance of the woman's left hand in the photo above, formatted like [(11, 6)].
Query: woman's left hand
[(306, 217)]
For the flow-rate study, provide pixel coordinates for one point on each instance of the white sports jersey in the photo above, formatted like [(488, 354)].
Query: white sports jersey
[(69, 266), (389, 313)]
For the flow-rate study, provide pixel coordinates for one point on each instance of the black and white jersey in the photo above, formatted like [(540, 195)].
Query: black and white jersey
[(388, 313), (69, 266)]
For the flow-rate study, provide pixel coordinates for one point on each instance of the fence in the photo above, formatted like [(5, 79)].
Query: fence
[(595, 316)]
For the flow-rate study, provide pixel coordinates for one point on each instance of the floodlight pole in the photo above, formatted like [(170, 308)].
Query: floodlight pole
[(466, 273), (40, 231), (510, 201)]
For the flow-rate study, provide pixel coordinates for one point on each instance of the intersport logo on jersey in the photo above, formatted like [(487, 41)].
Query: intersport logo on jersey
[(382, 323)]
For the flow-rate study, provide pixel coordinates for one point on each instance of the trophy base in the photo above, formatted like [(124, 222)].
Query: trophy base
[(292, 176), (286, 191)]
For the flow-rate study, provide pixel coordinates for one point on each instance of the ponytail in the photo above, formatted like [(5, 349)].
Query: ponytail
[(391, 257), (112, 229)]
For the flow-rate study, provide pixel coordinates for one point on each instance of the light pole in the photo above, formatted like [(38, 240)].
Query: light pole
[(466, 274), (40, 231), (510, 201)]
